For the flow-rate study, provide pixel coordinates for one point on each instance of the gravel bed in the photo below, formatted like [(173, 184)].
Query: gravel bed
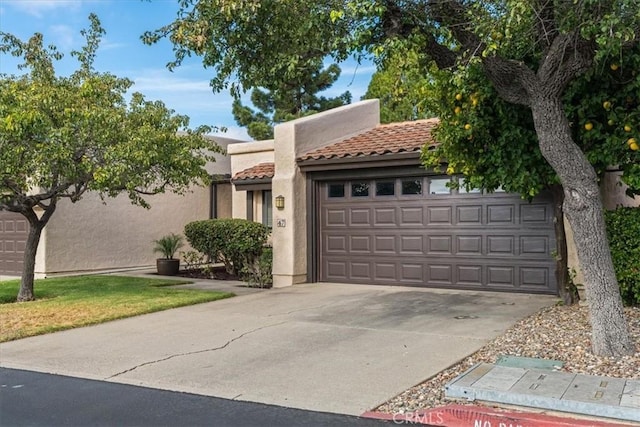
[(558, 332)]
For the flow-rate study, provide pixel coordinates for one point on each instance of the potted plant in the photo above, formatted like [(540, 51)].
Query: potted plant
[(168, 245)]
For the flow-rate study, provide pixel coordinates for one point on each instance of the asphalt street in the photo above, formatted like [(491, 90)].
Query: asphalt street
[(37, 399)]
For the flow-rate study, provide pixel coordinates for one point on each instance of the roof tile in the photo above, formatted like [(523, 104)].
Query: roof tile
[(383, 139), (259, 171)]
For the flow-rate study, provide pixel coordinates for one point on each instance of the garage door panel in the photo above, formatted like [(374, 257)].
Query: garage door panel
[(360, 217), (336, 217), (411, 216), (535, 214), (501, 245), (439, 245), (439, 215), (468, 241), (385, 244), (360, 270), (384, 216), (440, 274), (500, 276), (336, 270), (469, 215), (360, 244), (469, 275), (14, 230), (413, 273), (534, 245), (469, 245), (385, 271), (533, 277), (412, 245), (336, 244)]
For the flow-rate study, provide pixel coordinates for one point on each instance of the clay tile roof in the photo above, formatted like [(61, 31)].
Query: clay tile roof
[(259, 171), (383, 139)]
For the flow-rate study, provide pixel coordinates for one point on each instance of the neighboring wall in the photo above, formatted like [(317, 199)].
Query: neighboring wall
[(89, 235), (94, 235)]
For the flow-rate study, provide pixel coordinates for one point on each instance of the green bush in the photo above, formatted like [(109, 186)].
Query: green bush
[(623, 230), (232, 242), (258, 271)]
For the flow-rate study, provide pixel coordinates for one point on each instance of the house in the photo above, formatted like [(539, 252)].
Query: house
[(355, 206), (96, 235), (347, 201)]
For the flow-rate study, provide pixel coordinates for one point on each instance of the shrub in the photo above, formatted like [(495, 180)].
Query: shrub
[(258, 272), (168, 245), (230, 241), (623, 230)]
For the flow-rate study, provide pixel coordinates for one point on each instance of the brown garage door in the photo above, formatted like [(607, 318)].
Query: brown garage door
[(14, 229), (417, 232)]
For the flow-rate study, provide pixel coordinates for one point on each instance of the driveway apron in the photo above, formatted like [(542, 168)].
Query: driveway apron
[(325, 347)]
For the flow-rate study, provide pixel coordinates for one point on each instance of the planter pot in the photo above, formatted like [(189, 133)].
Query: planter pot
[(168, 266)]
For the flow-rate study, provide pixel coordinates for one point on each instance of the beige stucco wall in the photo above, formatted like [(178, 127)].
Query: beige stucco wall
[(89, 235), (92, 235), (244, 156), (293, 139)]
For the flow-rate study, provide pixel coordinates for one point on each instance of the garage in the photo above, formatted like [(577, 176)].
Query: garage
[(416, 231), (14, 230)]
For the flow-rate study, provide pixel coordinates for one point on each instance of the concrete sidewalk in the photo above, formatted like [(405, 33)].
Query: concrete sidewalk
[(324, 347)]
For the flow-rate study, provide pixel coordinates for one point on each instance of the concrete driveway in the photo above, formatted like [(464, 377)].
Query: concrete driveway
[(324, 347)]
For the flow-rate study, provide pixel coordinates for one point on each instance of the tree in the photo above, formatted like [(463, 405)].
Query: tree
[(63, 136), (530, 51), (290, 100), (403, 84)]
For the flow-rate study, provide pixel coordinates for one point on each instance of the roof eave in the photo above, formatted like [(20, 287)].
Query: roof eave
[(360, 162)]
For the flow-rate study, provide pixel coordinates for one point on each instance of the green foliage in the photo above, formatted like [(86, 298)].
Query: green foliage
[(78, 133), (254, 43), (492, 143), (258, 271), (168, 245), (291, 100), (623, 230), (230, 241), (63, 136), (402, 86)]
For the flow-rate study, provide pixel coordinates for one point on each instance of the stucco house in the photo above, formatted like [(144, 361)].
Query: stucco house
[(347, 201), (357, 207), (92, 235)]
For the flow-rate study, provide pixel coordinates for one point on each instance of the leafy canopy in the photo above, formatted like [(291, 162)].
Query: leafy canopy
[(61, 136), (292, 100)]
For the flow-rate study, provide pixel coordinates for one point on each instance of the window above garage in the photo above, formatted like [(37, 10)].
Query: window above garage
[(404, 187)]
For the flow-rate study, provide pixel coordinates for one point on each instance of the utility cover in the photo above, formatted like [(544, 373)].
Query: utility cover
[(548, 389)]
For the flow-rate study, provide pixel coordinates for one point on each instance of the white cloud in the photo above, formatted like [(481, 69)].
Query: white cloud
[(39, 8), (170, 84), (235, 132), (64, 35)]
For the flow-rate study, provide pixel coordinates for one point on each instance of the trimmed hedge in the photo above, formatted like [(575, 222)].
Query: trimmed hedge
[(623, 230), (233, 242)]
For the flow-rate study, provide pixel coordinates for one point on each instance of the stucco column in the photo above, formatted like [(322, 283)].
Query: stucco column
[(289, 224)]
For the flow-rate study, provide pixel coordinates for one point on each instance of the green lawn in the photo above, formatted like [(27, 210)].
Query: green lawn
[(70, 302)]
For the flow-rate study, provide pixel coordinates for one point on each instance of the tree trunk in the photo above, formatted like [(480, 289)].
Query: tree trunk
[(583, 207), (566, 288), (26, 292)]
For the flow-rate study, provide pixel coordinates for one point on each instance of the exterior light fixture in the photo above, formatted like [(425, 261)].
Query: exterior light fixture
[(280, 202)]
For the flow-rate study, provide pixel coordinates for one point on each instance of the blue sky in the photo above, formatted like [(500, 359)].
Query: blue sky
[(186, 89)]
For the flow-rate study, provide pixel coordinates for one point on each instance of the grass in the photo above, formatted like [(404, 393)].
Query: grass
[(71, 302)]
